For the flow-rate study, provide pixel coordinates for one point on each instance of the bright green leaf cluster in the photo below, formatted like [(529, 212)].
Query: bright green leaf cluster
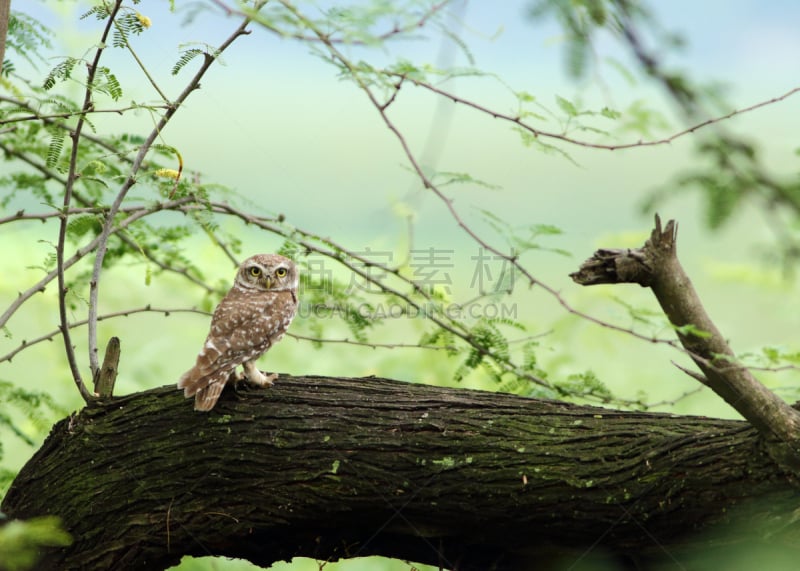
[(21, 542)]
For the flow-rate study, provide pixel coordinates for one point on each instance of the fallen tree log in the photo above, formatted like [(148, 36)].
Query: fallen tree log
[(334, 468)]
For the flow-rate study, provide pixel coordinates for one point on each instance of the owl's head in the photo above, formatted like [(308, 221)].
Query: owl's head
[(267, 272)]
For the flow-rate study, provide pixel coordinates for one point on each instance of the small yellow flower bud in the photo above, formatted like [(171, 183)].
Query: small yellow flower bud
[(144, 20), (168, 173)]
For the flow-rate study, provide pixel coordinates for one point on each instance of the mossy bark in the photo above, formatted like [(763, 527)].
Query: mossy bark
[(335, 468)]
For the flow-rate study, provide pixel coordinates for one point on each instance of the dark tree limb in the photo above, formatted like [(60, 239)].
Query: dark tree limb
[(656, 265), (337, 468)]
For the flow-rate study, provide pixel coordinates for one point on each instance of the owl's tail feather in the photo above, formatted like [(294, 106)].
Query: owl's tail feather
[(205, 388), (206, 398), (190, 382)]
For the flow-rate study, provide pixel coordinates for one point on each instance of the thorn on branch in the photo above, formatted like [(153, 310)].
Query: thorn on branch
[(397, 86), (695, 375)]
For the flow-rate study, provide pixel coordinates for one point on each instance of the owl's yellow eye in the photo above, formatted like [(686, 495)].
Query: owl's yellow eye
[(255, 271), (280, 272)]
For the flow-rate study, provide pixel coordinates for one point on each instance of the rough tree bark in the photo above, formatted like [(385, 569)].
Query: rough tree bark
[(5, 13), (336, 468)]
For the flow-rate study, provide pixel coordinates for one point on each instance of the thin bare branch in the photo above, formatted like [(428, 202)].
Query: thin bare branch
[(72, 175), (5, 13), (124, 313), (48, 118), (516, 120), (146, 73), (372, 345), (421, 22), (222, 246), (693, 374)]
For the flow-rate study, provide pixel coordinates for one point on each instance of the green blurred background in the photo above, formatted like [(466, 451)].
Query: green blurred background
[(277, 125)]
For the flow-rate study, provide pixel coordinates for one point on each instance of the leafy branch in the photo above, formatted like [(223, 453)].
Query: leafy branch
[(375, 83), (351, 25), (123, 22)]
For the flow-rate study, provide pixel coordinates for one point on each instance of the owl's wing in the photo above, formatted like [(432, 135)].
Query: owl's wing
[(242, 328), (214, 355), (238, 322)]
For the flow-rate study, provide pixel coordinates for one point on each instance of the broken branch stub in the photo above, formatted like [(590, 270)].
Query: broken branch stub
[(656, 265)]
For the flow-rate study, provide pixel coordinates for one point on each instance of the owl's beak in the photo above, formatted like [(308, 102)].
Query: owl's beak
[(268, 282)]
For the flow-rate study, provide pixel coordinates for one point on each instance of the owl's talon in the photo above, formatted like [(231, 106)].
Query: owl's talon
[(256, 377)]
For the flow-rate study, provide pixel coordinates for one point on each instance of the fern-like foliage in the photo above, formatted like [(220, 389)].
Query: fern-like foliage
[(186, 57), (55, 147), (126, 25), (486, 338), (26, 37), (100, 11), (521, 239), (62, 71), (28, 184), (59, 103), (106, 82), (23, 542), (79, 226), (585, 385), (439, 337), (325, 298), (19, 406)]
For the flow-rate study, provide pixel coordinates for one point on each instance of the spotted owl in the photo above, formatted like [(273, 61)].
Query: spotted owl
[(251, 318)]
